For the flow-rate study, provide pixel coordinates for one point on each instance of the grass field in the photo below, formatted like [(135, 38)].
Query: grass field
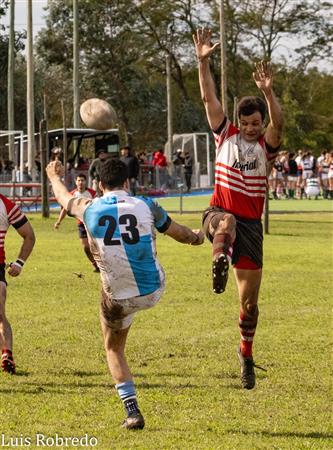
[(182, 352), (200, 202)]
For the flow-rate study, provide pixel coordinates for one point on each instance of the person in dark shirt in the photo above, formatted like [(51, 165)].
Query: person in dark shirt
[(133, 167), (188, 169), (95, 168), (292, 175)]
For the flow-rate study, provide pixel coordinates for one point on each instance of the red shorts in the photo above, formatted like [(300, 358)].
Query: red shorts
[(244, 262)]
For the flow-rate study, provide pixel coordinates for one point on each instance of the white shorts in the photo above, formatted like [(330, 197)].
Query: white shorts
[(118, 314), (292, 178)]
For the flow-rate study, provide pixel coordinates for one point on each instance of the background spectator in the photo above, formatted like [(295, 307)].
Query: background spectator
[(188, 170), (133, 167), (160, 164)]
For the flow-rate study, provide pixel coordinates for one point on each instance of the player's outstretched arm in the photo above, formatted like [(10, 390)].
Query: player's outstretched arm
[(204, 49), (184, 235), (263, 78), (61, 217), (27, 233), (74, 207)]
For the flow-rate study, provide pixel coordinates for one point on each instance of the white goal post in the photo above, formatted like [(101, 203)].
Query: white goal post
[(14, 133), (201, 156)]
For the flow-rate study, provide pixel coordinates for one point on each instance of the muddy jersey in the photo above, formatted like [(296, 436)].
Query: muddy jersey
[(121, 232), (10, 214), (241, 171)]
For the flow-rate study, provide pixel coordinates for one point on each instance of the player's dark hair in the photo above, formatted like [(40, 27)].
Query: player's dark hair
[(81, 175), (249, 105), (113, 173)]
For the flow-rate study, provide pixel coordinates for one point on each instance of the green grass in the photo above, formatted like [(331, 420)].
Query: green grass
[(200, 202), (182, 352)]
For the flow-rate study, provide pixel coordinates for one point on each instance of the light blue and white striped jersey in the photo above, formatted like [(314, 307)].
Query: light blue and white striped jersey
[(122, 237)]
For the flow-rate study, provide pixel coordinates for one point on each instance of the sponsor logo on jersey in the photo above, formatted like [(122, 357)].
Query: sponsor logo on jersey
[(249, 165)]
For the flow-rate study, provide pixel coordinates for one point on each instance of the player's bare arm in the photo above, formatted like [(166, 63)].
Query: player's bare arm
[(185, 235), (204, 49), (263, 78), (28, 235), (75, 207), (61, 217)]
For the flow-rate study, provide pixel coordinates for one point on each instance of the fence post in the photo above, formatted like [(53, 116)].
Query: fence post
[(181, 198), (44, 182)]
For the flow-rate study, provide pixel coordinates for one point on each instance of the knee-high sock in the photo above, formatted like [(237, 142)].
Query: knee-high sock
[(247, 327), (222, 243), (127, 393)]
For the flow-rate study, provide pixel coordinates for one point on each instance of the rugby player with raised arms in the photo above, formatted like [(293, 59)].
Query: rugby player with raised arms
[(244, 157)]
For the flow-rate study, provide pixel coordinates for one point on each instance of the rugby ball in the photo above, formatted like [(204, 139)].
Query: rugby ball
[(98, 114)]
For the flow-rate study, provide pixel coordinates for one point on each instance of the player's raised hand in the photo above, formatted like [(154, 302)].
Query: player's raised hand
[(263, 76), (55, 168), (203, 45)]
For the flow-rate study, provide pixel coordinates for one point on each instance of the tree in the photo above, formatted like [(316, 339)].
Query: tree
[(123, 47), (18, 46)]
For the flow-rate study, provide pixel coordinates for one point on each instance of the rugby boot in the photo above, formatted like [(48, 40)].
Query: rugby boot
[(134, 421), (248, 376), (7, 363), (220, 269)]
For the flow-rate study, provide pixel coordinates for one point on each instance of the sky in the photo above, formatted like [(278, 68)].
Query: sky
[(21, 15), (39, 22)]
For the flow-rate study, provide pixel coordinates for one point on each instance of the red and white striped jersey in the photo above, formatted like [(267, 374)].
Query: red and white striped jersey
[(241, 171), (10, 214)]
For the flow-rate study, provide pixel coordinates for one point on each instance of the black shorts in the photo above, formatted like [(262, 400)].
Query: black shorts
[(249, 236), (3, 273), (82, 231)]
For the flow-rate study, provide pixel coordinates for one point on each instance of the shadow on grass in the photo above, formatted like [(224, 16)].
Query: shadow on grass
[(329, 222), (225, 376), (35, 388), (22, 373), (52, 387), (173, 375), (165, 385), (84, 373), (285, 234), (313, 435)]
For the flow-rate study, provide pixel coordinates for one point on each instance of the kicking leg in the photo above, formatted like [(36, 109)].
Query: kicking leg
[(222, 229)]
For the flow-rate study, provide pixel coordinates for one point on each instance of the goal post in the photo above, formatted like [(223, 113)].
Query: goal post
[(197, 144), (18, 156)]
